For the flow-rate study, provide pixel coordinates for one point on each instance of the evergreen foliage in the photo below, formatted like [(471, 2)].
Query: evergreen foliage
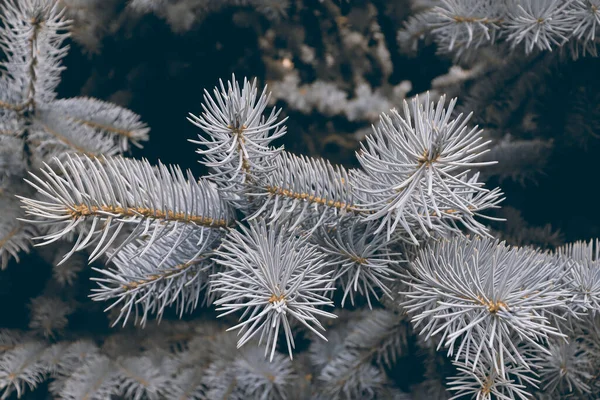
[(276, 240)]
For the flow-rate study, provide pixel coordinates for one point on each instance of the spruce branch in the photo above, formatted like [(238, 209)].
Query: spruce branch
[(109, 119), (22, 367), (52, 135), (566, 369), (31, 38), (273, 276), (49, 315), (259, 378), (461, 24), (15, 236), (363, 263), (541, 24), (484, 381), (348, 376), (416, 29), (414, 170), (173, 270), (308, 192), (381, 333), (352, 364), (34, 126), (584, 275), (519, 160), (141, 378), (586, 15), (115, 192), (237, 135), (12, 160), (96, 379), (478, 293)]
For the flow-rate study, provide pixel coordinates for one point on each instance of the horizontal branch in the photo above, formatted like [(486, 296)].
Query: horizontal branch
[(83, 210), (96, 197)]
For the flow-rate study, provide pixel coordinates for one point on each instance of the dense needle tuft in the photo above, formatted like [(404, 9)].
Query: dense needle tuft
[(479, 293), (273, 277), (364, 263), (416, 175), (237, 134)]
